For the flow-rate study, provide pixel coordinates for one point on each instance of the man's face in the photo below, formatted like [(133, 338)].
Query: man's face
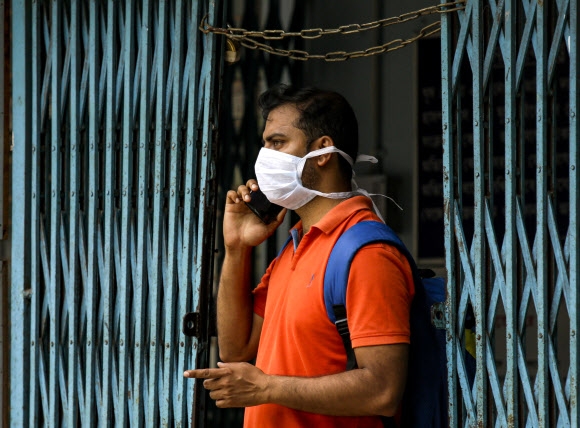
[(281, 134)]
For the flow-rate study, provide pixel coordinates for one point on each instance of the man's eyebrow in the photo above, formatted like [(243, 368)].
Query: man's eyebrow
[(274, 135)]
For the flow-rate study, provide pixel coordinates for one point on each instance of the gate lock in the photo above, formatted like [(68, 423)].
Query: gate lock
[(191, 324)]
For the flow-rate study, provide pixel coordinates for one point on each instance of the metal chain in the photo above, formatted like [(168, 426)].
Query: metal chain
[(393, 45), (315, 33), (245, 37)]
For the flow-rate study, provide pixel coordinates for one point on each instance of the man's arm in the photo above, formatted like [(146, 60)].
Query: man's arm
[(375, 388), (238, 327)]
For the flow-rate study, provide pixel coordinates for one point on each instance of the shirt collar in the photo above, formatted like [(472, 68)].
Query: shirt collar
[(333, 218)]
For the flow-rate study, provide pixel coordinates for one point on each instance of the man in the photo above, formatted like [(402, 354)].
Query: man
[(299, 379)]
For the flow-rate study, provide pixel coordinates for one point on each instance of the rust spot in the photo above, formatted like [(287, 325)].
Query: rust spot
[(511, 421)]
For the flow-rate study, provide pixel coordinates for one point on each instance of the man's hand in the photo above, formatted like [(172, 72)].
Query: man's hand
[(233, 384), (242, 228)]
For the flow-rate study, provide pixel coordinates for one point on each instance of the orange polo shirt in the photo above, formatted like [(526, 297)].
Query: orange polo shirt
[(297, 337)]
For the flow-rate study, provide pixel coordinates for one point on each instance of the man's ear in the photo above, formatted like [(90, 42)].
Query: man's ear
[(321, 143)]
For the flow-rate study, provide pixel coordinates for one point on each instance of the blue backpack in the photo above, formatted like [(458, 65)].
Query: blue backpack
[(425, 401)]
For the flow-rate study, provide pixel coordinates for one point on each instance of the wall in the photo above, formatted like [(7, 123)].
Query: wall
[(382, 90)]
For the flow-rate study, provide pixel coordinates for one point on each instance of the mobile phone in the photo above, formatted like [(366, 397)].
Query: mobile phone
[(262, 207)]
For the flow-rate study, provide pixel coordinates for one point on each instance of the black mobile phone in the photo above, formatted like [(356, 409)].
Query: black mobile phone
[(262, 207)]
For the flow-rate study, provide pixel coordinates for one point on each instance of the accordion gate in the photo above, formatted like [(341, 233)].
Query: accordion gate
[(113, 199), (510, 128)]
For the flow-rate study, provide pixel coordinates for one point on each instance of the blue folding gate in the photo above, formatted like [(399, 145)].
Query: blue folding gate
[(114, 120), (510, 129)]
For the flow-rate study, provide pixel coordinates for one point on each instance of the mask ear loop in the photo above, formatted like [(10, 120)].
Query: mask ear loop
[(371, 159), (320, 152), (356, 189)]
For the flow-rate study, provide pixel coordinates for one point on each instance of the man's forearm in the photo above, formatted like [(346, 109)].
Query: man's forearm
[(354, 393), (376, 388), (234, 306)]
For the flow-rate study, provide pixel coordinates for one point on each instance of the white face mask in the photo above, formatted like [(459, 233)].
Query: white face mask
[(279, 176)]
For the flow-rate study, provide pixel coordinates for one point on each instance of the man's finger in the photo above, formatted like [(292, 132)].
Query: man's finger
[(205, 373)]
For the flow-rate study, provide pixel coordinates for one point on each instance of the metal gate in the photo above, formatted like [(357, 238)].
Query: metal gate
[(113, 186), (510, 127)]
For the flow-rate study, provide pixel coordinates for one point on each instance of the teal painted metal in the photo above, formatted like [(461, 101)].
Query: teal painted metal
[(20, 276), (448, 218), (511, 210), (510, 239), (574, 177), (73, 273), (89, 414), (113, 209)]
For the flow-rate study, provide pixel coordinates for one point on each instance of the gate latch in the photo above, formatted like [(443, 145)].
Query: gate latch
[(191, 324)]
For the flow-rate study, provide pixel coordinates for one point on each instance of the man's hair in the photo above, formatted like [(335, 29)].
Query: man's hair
[(321, 113)]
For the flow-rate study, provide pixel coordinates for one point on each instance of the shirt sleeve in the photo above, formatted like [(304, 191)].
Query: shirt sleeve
[(261, 292), (379, 294)]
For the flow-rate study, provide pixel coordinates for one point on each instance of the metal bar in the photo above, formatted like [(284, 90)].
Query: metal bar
[(73, 273), (65, 68), (54, 290), (62, 383), (542, 380), (91, 284), (557, 39), (478, 243), (202, 259), (124, 279), (3, 145), (511, 298), (495, 35), (186, 357), (466, 279), (462, 40), (140, 284), (448, 218), (574, 186), (107, 286), (156, 279), (19, 312), (526, 37), (35, 304), (175, 155)]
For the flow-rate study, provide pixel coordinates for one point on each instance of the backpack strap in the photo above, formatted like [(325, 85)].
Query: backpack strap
[(338, 268), (336, 279), (349, 243)]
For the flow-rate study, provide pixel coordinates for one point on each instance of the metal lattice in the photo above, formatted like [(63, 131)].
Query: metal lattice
[(511, 210), (113, 207)]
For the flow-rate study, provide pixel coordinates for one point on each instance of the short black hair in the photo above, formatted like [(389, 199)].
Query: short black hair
[(322, 113)]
